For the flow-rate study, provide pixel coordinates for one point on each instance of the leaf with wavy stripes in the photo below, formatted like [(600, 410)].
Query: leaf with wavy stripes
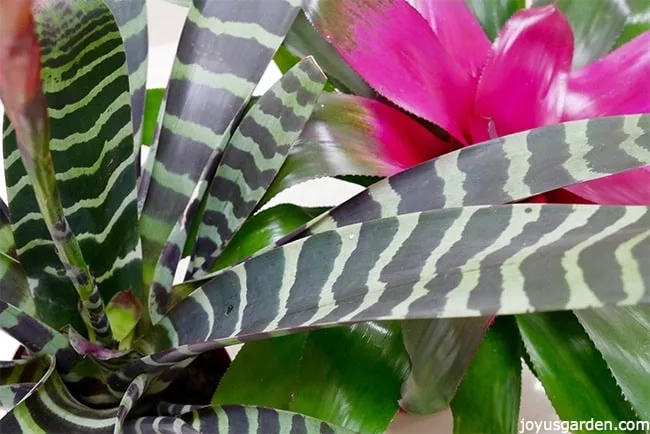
[(14, 288), (86, 86), (254, 156), (250, 162), (234, 419), (20, 378), (458, 262), (222, 54), (131, 17)]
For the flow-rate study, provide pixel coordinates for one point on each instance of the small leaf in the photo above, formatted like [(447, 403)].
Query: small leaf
[(566, 361), (488, 398), (622, 335), (123, 311)]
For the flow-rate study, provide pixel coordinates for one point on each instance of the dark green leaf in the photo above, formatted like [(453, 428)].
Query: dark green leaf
[(492, 14), (440, 352), (348, 376), (596, 24), (622, 335), (20, 378), (574, 374), (488, 398), (92, 150)]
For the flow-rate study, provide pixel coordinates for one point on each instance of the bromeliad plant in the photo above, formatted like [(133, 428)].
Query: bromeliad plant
[(91, 243)]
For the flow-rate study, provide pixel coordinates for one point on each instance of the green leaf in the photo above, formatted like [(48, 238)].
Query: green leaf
[(488, 398), (124, 311), (152, 107), (574, 374), (131, 17), (253, 158), (493, 14), (348, 376), (440, 352), (637, 22), (622, 335), (20, 378), (86, 86), (213, 77), (596, 24), (303, 40)]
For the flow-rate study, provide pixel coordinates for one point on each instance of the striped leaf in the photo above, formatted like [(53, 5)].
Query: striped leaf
[(255, 154), (460, 262), (14, 288), (221, 56), (133, 393), (86, 87), (349, 135), (622, 335), (20, 378), (566, 361), (131, 17), (234, 419), (253, 158)]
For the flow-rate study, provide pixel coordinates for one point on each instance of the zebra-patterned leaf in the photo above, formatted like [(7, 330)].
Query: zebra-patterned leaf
[(86, 86), (253, 158), (14, 288), (303, 40), (250, 162), (133, 393), (20, 378), (622, 335), (441, 351), (349, 135), (234, 419), (488, 398), (222, 54), (638, 20), (36, 336), (596, 25), (566, 360), (459, 262), (131, 17)]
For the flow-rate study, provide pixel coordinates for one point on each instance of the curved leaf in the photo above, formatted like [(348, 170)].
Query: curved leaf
[(622, 335), (86, 86), (596, 25), (637, 22), (566, 361), (488, 398), (493, 14), (253, 158), (221, 56), (348, 376), (20, 378)]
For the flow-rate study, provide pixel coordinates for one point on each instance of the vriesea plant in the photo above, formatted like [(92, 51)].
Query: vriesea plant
[(91, 243)]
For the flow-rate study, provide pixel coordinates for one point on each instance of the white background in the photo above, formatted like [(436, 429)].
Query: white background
[(165, 25)]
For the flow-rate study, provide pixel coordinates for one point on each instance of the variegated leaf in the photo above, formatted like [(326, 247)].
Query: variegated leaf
[(86, 86), (221, 56)]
